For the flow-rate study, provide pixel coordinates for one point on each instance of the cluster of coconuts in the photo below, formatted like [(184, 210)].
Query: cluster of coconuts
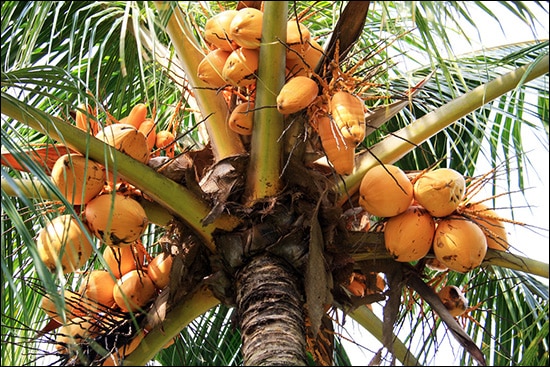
[(234, 38), (131, 278), (429, 212)]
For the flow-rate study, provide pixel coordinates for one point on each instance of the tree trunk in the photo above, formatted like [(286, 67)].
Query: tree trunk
[(271, 313)]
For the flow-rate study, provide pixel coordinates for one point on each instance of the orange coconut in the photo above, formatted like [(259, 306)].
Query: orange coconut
[(297, 38), (118, 220), (127, 139), (409, 235), (459, 244), (98, 287), (240, 67), (211, 67), (246, 28), (241, 119), (120, 260), (74, 332), (159, 269), (78, 178), (134, 290), (491, 225), (64, 242), (440, 191), (216, 30), (385, 191), (296, 94), (71, 302)]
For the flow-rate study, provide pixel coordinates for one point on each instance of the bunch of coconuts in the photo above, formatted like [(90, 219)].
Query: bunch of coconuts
[(131, 278), (234, 37), (430, 212)]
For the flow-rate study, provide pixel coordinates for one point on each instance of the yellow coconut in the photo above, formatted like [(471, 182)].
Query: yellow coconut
[(296, 94), (148, 128), (71, 306), (64, 242), (385, 191), (137, 115), (440, 191), (159, 269), (304, 64), (459, 244), (98, 287), (241, 119), (409, 235), (348, 112), (216, 30), (241, 67), (120, 260), (117, 220), (491, 225), (127, 139), (453, 299), (79, 179), (211, 67), (133, 291), (75, 332), (297, 38), (340, 152), (246, 28)]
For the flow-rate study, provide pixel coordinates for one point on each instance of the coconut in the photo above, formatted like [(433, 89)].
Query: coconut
[(127, 139), (459, 244), (340, 152), (71, 302), (440, 191), (240, 67), (304, 64), (78, 178), (348, 112), (246, 28), (98, 287), (148, 128), (120, 260), (385, 191), (491, 225), (297, 38), (216, 30), (296, 94), (241, 119), (409, 235), (159, 269), (63, 242), (76, 331), (211, 67), (133, 291), (453, 299), (118, 220)]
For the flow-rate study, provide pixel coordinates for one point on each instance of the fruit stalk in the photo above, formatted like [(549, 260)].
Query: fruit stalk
[(263, 179)]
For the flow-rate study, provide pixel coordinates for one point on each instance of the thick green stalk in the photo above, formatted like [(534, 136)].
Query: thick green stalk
[(266, 145), (179, 317), (395, 146), (171, 195), (224, 141), (31, 188)]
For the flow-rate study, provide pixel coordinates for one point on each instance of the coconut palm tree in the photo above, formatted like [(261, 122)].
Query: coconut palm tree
[(268, 243)]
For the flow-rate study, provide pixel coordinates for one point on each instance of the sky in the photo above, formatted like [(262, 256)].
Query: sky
[(533, 208)]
